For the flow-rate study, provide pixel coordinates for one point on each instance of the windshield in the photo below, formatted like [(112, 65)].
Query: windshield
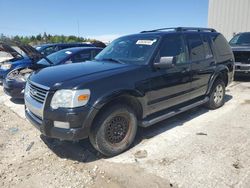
[(241, 39), (130, 49), (56, 58)]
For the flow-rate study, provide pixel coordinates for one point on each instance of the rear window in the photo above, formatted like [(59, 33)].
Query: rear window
[(221, 45)]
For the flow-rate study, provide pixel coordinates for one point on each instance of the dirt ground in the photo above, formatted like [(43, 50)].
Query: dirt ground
[(199, 148)]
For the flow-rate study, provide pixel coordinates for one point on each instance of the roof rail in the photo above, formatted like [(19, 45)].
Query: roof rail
[(180, 29), (162, 29)]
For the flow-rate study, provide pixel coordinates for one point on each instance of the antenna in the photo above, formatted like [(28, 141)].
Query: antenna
[(78, 28)]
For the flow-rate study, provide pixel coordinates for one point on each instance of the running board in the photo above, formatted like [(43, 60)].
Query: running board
[(147, 123)]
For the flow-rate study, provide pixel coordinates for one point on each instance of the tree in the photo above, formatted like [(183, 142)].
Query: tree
[(45, 38)]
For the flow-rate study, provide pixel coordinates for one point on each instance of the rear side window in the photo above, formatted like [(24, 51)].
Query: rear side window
[(49, 50), (82, 56), (221, 45), (207, 47), (173, 46), (196, 49)]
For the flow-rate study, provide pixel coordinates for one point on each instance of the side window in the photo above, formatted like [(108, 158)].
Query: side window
[(49, 50), (196, 49), (173, 46), (221, 45), (207, 47), (81, 57), (94, 53)]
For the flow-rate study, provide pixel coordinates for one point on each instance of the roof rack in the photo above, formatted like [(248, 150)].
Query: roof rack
[(181, 29)]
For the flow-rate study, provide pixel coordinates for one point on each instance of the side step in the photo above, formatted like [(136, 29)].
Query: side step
[(147, 123)]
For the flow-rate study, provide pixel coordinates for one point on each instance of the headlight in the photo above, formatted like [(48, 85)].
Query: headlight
[(70, 98), (6, 66)]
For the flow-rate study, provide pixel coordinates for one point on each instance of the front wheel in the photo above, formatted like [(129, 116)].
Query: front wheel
[(217, 95), (114, 130)]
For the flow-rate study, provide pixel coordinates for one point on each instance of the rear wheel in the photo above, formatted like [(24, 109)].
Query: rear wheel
[(217, 95), (114, 130)]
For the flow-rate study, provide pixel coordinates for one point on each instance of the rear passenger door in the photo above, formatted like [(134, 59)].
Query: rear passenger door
[(202, 62)]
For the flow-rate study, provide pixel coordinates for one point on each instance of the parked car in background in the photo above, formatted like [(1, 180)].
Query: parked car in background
[(15, 81), (19, 60), (240, 44), (138, 80), (99, 44), (47, 49)]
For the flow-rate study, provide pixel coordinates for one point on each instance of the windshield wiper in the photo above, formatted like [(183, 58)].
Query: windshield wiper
[(111, 59)]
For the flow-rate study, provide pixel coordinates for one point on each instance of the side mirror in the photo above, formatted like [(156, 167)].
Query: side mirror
[(165, 62)]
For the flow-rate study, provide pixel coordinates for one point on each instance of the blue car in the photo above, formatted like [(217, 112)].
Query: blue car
[(28, 56), (15, 81), (31, 55), (47, 49)]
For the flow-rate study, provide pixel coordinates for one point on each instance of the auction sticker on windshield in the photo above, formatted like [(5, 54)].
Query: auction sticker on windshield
[(146, 42)]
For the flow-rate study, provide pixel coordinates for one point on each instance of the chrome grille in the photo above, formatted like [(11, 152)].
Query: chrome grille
[(243, 57), (36, 92)]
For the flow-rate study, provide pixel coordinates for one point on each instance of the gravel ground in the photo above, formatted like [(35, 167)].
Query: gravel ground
[(199, 148)]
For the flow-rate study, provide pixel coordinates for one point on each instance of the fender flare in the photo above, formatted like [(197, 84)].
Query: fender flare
[(218, 73), (101, 102)]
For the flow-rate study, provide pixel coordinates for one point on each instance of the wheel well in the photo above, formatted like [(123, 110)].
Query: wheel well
[(127, 100), (223, 76)]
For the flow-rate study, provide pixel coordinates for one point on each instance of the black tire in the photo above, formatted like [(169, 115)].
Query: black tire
[(114, 130), (217, 95)]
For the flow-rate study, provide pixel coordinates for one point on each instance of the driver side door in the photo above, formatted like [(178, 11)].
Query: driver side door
[(170, 86)]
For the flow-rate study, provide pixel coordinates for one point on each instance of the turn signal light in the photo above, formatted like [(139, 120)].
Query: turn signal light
[(83, 97)]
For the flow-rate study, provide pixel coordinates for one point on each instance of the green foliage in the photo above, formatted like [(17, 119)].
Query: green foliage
[(44, 38)]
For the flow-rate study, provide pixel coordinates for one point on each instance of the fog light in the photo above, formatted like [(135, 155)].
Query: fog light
[(62, 125)]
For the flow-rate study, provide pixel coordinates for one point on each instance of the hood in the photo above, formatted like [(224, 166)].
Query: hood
[(57, 75), (31, 52), (240, 48), (8, 49)]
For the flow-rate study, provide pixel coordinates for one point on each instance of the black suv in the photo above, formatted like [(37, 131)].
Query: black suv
[(240, 44), (138, 80)]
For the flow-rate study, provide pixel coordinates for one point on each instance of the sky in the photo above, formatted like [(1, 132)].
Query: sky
[(99, 19)]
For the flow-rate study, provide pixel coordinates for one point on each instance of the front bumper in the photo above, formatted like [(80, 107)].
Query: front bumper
[(14, 89), (43, 119), (1, 79), (46, 128), (3, 74), (241, 68)]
